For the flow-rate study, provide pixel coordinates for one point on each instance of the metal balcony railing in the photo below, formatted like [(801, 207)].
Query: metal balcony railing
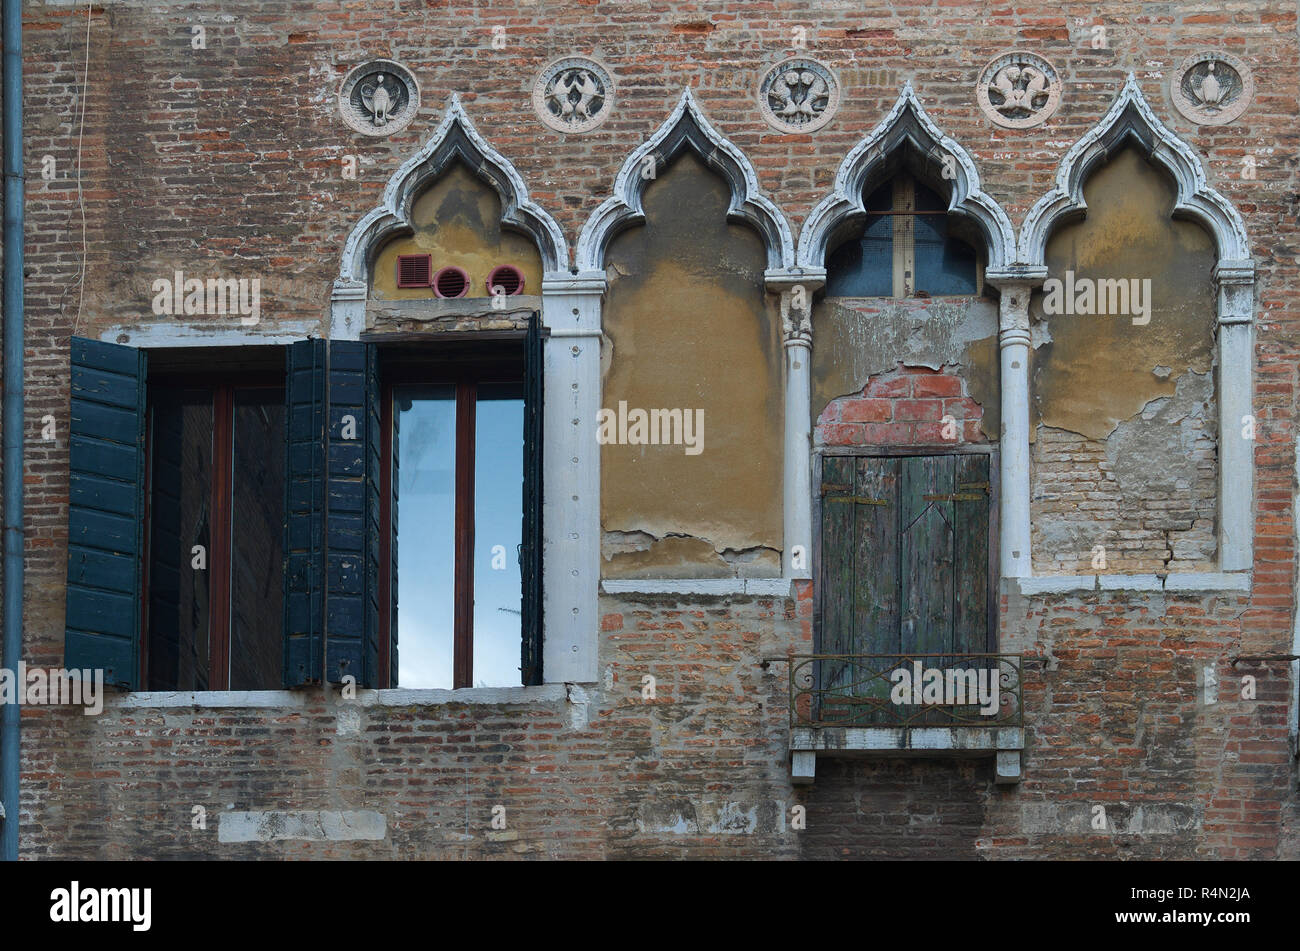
[(916, 690)]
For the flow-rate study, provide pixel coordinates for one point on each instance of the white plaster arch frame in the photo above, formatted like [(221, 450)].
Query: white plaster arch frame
[(1130, 121), (454, 139), (685, 128), (906, 124)]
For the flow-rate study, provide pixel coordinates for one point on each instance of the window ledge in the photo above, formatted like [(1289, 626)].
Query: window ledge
[(432, 697), (213, 699), (1004, 744), (898, 739), (1188, 581), (714, 587)]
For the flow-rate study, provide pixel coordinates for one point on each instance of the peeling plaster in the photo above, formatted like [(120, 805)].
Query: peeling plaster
[(689, 325), (1089, 373), (855, 339), (458, 221), (1155, 451)]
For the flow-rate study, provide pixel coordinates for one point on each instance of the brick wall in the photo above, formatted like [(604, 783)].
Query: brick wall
[(228, 161), (912, 406)]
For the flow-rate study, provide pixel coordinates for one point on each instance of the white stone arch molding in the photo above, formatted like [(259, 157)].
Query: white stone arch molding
[(454, 139), (685, 128), (906, 126), (1131, 122)]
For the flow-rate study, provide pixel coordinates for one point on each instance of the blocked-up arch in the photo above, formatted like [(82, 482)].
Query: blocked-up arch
[(1130, 122), (455, 139), (686, 128), (906, 127)]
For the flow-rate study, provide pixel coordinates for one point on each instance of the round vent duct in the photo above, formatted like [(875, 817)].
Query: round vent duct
[(508, 278), (451, 282)]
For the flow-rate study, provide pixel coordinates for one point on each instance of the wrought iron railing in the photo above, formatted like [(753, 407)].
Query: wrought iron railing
[(859, 690)]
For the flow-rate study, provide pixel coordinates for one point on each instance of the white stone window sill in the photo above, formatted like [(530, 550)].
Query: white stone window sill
[(1208, 581), (709, 587), (394, 697)]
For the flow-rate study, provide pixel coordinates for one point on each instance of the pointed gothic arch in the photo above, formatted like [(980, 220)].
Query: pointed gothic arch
[(1130, 122), (455, 139), (685, 128), (906, 127)]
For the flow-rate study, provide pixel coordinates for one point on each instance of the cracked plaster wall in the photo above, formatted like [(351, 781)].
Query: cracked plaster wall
[(1123, 416)]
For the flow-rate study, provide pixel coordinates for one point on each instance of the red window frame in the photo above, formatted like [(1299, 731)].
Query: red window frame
[(466, 382)]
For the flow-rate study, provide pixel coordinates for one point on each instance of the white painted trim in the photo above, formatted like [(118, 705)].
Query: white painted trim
[(571, 480), (685, 128), (169, 333), (706, 587), (906, 124), (455, 138), (1209, 582), (503, 696), (890, 739), (210, 699), (1130, 120)]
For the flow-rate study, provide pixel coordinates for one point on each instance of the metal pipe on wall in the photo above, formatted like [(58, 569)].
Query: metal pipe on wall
[(11, 18)]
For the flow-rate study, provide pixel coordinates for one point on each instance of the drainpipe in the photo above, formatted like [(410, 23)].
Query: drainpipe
[(12, 415)]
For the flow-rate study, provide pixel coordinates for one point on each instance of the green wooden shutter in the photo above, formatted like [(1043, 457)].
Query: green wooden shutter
[(394, 456), (352, 515), (905, 562), (304, 561), (531, 550), (105, 510)]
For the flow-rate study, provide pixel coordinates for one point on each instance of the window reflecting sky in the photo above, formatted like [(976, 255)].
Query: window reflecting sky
[(426, 478)]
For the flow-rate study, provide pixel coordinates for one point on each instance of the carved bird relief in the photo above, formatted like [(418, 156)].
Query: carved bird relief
[(1211, 92), (377, 99)]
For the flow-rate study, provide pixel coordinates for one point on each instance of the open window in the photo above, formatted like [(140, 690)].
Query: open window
[(460, 522), (233, 519)]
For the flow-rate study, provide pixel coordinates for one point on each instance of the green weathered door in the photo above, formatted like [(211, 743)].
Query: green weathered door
[(904, 569)]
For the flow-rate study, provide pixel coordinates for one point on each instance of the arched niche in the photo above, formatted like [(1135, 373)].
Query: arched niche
[(862, 341), (457, 220), (688, 326), (455, 141), (1141, 369)]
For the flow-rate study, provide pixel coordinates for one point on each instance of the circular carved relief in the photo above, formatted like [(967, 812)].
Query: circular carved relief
[(1212, 88), (1019, 90), (798, 95), (379, 97), (573, 94)]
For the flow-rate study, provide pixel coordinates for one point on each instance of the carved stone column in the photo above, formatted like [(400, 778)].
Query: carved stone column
[(1013, 341), (1235, 283), (796, 287)]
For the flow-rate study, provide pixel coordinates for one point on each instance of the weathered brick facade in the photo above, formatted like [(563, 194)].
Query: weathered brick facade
[(229, 160)]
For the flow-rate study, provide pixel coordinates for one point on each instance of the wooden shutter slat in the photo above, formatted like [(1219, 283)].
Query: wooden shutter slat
[(352, 515), (926, 546), (531, 548), (304, 563), (971, 555), (837, 571), (105, 510)]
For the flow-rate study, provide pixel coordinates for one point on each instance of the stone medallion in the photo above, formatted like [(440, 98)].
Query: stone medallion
[(379, 97), (1212, 88), (798, 95), (1019, 90), (573, 94)]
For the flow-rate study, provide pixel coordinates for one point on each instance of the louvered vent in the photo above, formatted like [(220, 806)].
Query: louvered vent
[(414, 270), (451, 282), (505, 279)]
